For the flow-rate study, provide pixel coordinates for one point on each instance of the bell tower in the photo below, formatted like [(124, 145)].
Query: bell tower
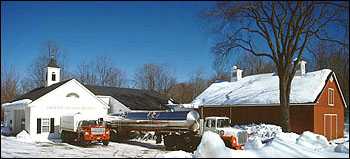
[(52, 72)]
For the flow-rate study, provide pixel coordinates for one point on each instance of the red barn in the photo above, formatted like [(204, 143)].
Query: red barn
[(317, 103)]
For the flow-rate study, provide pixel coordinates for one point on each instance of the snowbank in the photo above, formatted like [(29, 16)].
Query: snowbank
[(176, 154), (263, 131), (287, 137), (312, 140), (342, 148), (254, 143), (24, 137), (212, 146)]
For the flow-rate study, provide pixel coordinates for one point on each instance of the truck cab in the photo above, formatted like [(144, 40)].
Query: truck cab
[(232, 137), (216, 124), (84, 129)]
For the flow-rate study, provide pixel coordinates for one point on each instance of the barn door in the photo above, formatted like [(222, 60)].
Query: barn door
[(330, 126)]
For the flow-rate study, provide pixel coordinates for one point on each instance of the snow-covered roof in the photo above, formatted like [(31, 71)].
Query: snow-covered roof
[(263, 89), (18, 102)]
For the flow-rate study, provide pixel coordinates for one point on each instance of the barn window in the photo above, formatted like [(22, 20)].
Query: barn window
[(45, 125), (331, 97), (72, 95)]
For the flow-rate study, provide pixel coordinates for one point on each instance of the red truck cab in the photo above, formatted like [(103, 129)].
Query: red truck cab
[(92, 130)]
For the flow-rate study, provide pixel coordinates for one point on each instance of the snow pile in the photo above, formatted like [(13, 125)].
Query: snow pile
[(313, 141), (263, 131), (24, 137), (212, 146), (176, 154), (254, 143), (287, 137), (263, 89), (342, 148)]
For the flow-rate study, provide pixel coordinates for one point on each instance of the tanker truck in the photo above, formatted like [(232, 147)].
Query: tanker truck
[(181, 130)]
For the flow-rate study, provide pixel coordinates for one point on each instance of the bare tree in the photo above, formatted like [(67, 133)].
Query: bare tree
[(154, 77), (181, 92), (255, 65), (36, 73), (108, 75), (198, 82), (336, 59), (9, 84), (86, 73), (100, 72), (276, 30)]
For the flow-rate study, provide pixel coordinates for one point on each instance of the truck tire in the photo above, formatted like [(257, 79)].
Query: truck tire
[(64, 136), (81, 141), (170, 142), (190, 143), (105, 143)]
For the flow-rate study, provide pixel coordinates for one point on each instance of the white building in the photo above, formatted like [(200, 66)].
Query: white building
[(39, 110)]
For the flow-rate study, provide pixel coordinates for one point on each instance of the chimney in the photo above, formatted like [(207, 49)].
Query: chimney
[(236, 74), (301, 70)]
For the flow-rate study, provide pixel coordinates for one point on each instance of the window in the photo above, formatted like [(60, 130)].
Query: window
[(72, 95), (330, 97), (53, 76), (223, 123), (45, 125), (213, 123), (207, 123)]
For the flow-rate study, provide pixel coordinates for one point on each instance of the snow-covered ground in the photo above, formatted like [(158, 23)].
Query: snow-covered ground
[(289, 145), (24, 147), (286, 145)]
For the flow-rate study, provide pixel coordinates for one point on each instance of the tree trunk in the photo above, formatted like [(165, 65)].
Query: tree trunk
[(284, 103)]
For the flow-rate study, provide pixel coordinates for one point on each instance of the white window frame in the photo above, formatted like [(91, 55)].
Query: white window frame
[(42, 125), (329, 96)]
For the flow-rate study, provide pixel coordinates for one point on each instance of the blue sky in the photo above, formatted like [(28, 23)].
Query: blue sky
[(130, 33)]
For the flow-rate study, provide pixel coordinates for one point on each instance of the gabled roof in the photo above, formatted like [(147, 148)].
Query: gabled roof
[(39, 92), (263, 89), (135, 99)]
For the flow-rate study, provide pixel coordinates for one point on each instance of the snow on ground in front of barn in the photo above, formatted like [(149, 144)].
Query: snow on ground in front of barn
[(286, 145)]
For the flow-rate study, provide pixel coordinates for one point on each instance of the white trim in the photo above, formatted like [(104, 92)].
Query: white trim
[(336, 124), (338, 86), (328, 93)]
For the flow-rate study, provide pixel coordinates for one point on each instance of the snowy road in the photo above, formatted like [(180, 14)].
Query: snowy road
[(11, 147)]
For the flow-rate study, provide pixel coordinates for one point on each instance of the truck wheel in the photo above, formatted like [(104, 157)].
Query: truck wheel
[(81, 141), (105, 143), (170, 142), (191, 143), (64, 136)]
